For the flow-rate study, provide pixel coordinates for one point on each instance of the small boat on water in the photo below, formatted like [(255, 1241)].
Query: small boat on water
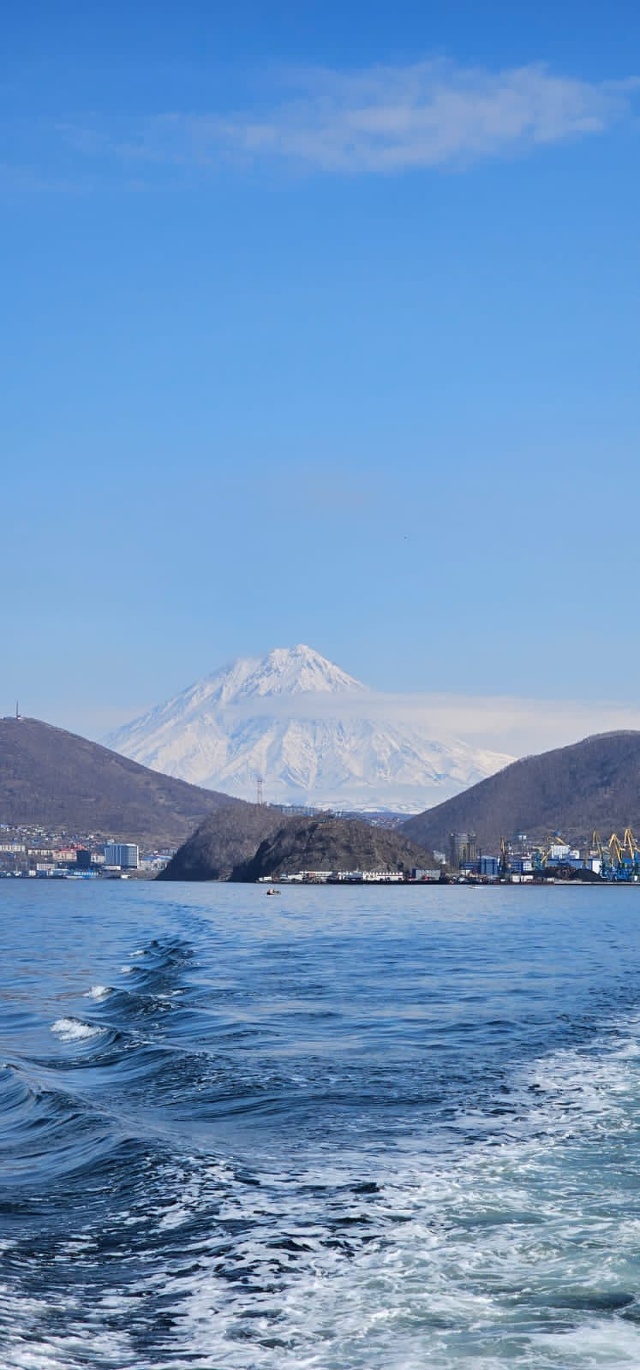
[(272, 891)]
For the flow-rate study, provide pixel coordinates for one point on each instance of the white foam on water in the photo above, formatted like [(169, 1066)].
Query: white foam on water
[(74, 1030), (98, 992), (519, 1251), (68, 1352), (30, 1343), (594, 1346)]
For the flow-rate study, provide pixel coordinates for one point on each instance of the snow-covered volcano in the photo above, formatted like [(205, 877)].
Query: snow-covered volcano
[(308, 731)]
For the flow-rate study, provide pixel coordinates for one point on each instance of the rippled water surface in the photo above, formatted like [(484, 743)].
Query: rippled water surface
[(379, 1128)]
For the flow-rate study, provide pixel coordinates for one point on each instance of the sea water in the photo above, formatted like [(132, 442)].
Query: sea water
[(348, 1129)]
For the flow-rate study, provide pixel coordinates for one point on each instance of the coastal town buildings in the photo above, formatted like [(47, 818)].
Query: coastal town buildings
[(34, 851)]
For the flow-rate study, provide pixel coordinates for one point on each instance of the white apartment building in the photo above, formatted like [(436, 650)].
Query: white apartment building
[(123, 854)]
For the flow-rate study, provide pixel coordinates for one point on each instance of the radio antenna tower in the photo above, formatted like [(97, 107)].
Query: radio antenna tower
[(17, 710), (260, 789)]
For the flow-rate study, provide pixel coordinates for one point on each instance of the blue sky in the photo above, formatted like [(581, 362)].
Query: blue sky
[(320, 323)]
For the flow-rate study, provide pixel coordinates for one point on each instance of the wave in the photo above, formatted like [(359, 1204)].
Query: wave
[(511, 1237), (74, 1030), (522, 1248), (272, 1156)]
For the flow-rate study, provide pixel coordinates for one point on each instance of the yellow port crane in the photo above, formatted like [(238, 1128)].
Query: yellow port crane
[(556, 840), (630, 845), (542, 854), (621, 859), (615, 849)]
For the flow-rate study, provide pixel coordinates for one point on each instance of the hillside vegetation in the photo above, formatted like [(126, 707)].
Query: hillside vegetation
[(571, 790), (56, 780), (246, 846), (225, 842)]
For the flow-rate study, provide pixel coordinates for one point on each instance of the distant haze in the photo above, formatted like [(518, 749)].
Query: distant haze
[(508, 724), (518, 726)]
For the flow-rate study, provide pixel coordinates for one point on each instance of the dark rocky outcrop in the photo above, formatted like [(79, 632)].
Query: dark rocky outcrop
[(336, 844), (594, 784), (223, 843), (262, 842), (54, 779)]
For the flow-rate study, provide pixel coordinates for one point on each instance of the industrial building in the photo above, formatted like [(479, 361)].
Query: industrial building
[(462, 849), (126, 855)]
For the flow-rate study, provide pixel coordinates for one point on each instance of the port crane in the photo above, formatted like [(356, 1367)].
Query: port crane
[(619, 859), (542, 856)]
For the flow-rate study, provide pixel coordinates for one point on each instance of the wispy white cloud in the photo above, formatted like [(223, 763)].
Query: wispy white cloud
[(512, 725), (515, 724), (387, 119), (507, 724)]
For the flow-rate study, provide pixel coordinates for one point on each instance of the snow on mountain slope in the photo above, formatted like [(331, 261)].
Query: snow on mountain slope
[(311, 732)]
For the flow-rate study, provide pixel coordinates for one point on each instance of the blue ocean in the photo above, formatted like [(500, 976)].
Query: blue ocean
[(348, 1129)]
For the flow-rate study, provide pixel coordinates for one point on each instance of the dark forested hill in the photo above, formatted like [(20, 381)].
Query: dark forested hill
[(571, 790), (57, 780), (333, 844), (224, 842), (262, 842)]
